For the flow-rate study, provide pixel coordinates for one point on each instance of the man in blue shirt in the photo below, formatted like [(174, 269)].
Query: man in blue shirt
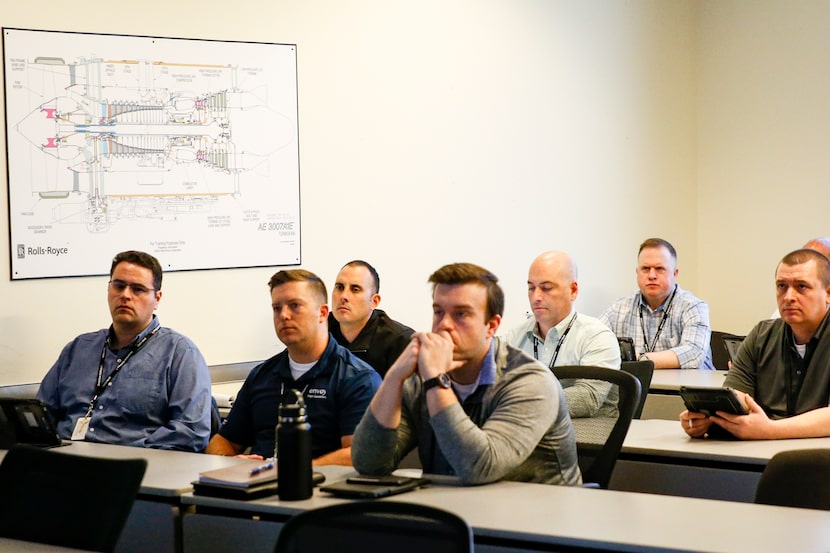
[(336, 386), (669, 325), (136, 383)]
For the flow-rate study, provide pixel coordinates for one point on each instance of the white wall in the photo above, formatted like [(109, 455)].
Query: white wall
[(430, 132), (763, 159)]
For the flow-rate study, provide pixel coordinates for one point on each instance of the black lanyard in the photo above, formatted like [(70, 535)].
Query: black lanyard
[(558, 344), (101, 386), (666, 312)]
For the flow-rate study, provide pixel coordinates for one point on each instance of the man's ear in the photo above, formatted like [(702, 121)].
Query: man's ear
[(493, 325), (375, 300), (324, 312)]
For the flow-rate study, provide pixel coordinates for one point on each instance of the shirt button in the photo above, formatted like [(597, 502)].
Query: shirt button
[(92, 430), (100, 407)]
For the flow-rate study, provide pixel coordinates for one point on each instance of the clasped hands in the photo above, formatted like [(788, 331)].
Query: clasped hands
[(428, 353)]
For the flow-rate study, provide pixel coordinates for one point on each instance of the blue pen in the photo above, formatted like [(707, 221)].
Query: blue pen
[(260, 468)]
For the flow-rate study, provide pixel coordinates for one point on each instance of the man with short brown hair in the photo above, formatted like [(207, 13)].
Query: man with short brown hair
[(335, 385), (782, 369), (474, 406)]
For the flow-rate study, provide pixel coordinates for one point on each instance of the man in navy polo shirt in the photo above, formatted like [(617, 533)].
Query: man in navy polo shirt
[(336, 385)]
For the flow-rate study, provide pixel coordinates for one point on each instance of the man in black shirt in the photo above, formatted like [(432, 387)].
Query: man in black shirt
[(782, 369), (356, 322)]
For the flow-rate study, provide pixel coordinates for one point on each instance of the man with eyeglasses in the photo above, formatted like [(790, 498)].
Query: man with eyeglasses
[(136, 383), (669, 325)]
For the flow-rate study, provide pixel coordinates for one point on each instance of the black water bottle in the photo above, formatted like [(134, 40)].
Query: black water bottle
[(293, 448)]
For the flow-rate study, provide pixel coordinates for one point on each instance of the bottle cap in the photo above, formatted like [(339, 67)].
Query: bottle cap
[(292, 406)]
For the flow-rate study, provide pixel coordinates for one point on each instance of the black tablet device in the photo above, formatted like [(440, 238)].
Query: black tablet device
[(369, 487), (711, 400)]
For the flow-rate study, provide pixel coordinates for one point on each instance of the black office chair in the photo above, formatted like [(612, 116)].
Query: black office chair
[(599, 439), (723, 348), (215, 417), (797, 478), (643, 370), (361, 526), (67, 500)]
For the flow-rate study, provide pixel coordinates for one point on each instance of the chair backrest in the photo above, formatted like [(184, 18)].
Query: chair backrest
[(67, 500), (721, 353), (599, 439), (643, 371), (215, 417), (361, 526), (797, 478)]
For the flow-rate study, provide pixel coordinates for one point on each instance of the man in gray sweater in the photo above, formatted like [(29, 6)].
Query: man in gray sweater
[(474, 407)]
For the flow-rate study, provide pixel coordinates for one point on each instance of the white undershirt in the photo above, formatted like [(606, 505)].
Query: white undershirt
[(299, 369)]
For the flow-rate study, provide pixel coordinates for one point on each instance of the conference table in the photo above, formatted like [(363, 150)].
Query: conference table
[(514, 516), (659, 457), (663, 400), (16, 546)]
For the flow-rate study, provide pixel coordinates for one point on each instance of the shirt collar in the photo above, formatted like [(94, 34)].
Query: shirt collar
[(154, 322), (488, 366)]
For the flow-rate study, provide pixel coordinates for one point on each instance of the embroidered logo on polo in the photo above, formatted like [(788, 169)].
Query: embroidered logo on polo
[(317, 393)]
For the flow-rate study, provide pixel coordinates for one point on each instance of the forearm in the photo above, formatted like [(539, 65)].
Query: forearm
[(219, 445), (663, 359), (812, 424), (585, 397), (342, 456)]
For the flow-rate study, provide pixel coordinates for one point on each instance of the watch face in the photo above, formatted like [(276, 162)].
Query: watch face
[(444, 380)]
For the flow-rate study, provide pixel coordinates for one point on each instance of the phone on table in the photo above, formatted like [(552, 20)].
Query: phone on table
[(369, 487)]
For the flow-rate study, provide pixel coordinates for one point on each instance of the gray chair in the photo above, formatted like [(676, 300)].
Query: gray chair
[(797, 478), (599, 439), (66, 500), (723, 348), (362, 526)]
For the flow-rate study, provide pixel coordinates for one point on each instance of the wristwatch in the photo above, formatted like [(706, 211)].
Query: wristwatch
[(442, 380)]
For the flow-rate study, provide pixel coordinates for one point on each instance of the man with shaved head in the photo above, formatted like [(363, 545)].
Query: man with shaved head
[(557, 335)]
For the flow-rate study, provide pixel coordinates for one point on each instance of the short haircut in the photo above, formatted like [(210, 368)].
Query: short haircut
[(658, 243), (300, 275), (805, 255), (467, 273), (141, 259), (372, 271)]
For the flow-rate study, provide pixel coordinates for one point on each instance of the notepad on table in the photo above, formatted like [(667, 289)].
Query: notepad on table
[(243, 475)]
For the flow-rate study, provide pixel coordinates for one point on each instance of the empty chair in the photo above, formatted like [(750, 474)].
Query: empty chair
[(723, 347), (64, 499), (599, 439), (361, 526), (797, 478), (643, 370)]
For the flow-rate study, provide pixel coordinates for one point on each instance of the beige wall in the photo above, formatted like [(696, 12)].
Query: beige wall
[(440, 131), (763, 135)]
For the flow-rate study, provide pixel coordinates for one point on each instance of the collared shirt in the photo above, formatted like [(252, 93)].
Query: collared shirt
[(588, 342), (337, 390), (768, 367), (379, 342), (687, 332), (160, 398)]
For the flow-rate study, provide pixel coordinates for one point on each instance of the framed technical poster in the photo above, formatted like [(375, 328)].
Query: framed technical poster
[(185, 149)]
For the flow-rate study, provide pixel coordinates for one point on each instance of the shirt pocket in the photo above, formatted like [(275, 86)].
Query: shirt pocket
[(140, 390)]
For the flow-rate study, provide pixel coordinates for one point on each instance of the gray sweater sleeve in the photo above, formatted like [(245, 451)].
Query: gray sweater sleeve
[(524, 406)]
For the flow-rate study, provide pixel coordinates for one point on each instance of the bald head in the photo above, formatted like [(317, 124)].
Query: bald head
[(821, 245), (551, 288)]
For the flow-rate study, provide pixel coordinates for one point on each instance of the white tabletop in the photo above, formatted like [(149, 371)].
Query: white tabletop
[(16, 546), (169, 473), (557, 515), (670, 380), (666, 438)]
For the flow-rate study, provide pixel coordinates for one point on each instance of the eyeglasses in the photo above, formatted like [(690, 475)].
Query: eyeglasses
[(137, 289)]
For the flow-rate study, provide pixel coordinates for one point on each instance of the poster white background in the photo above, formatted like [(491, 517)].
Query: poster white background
[(186, 149)]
